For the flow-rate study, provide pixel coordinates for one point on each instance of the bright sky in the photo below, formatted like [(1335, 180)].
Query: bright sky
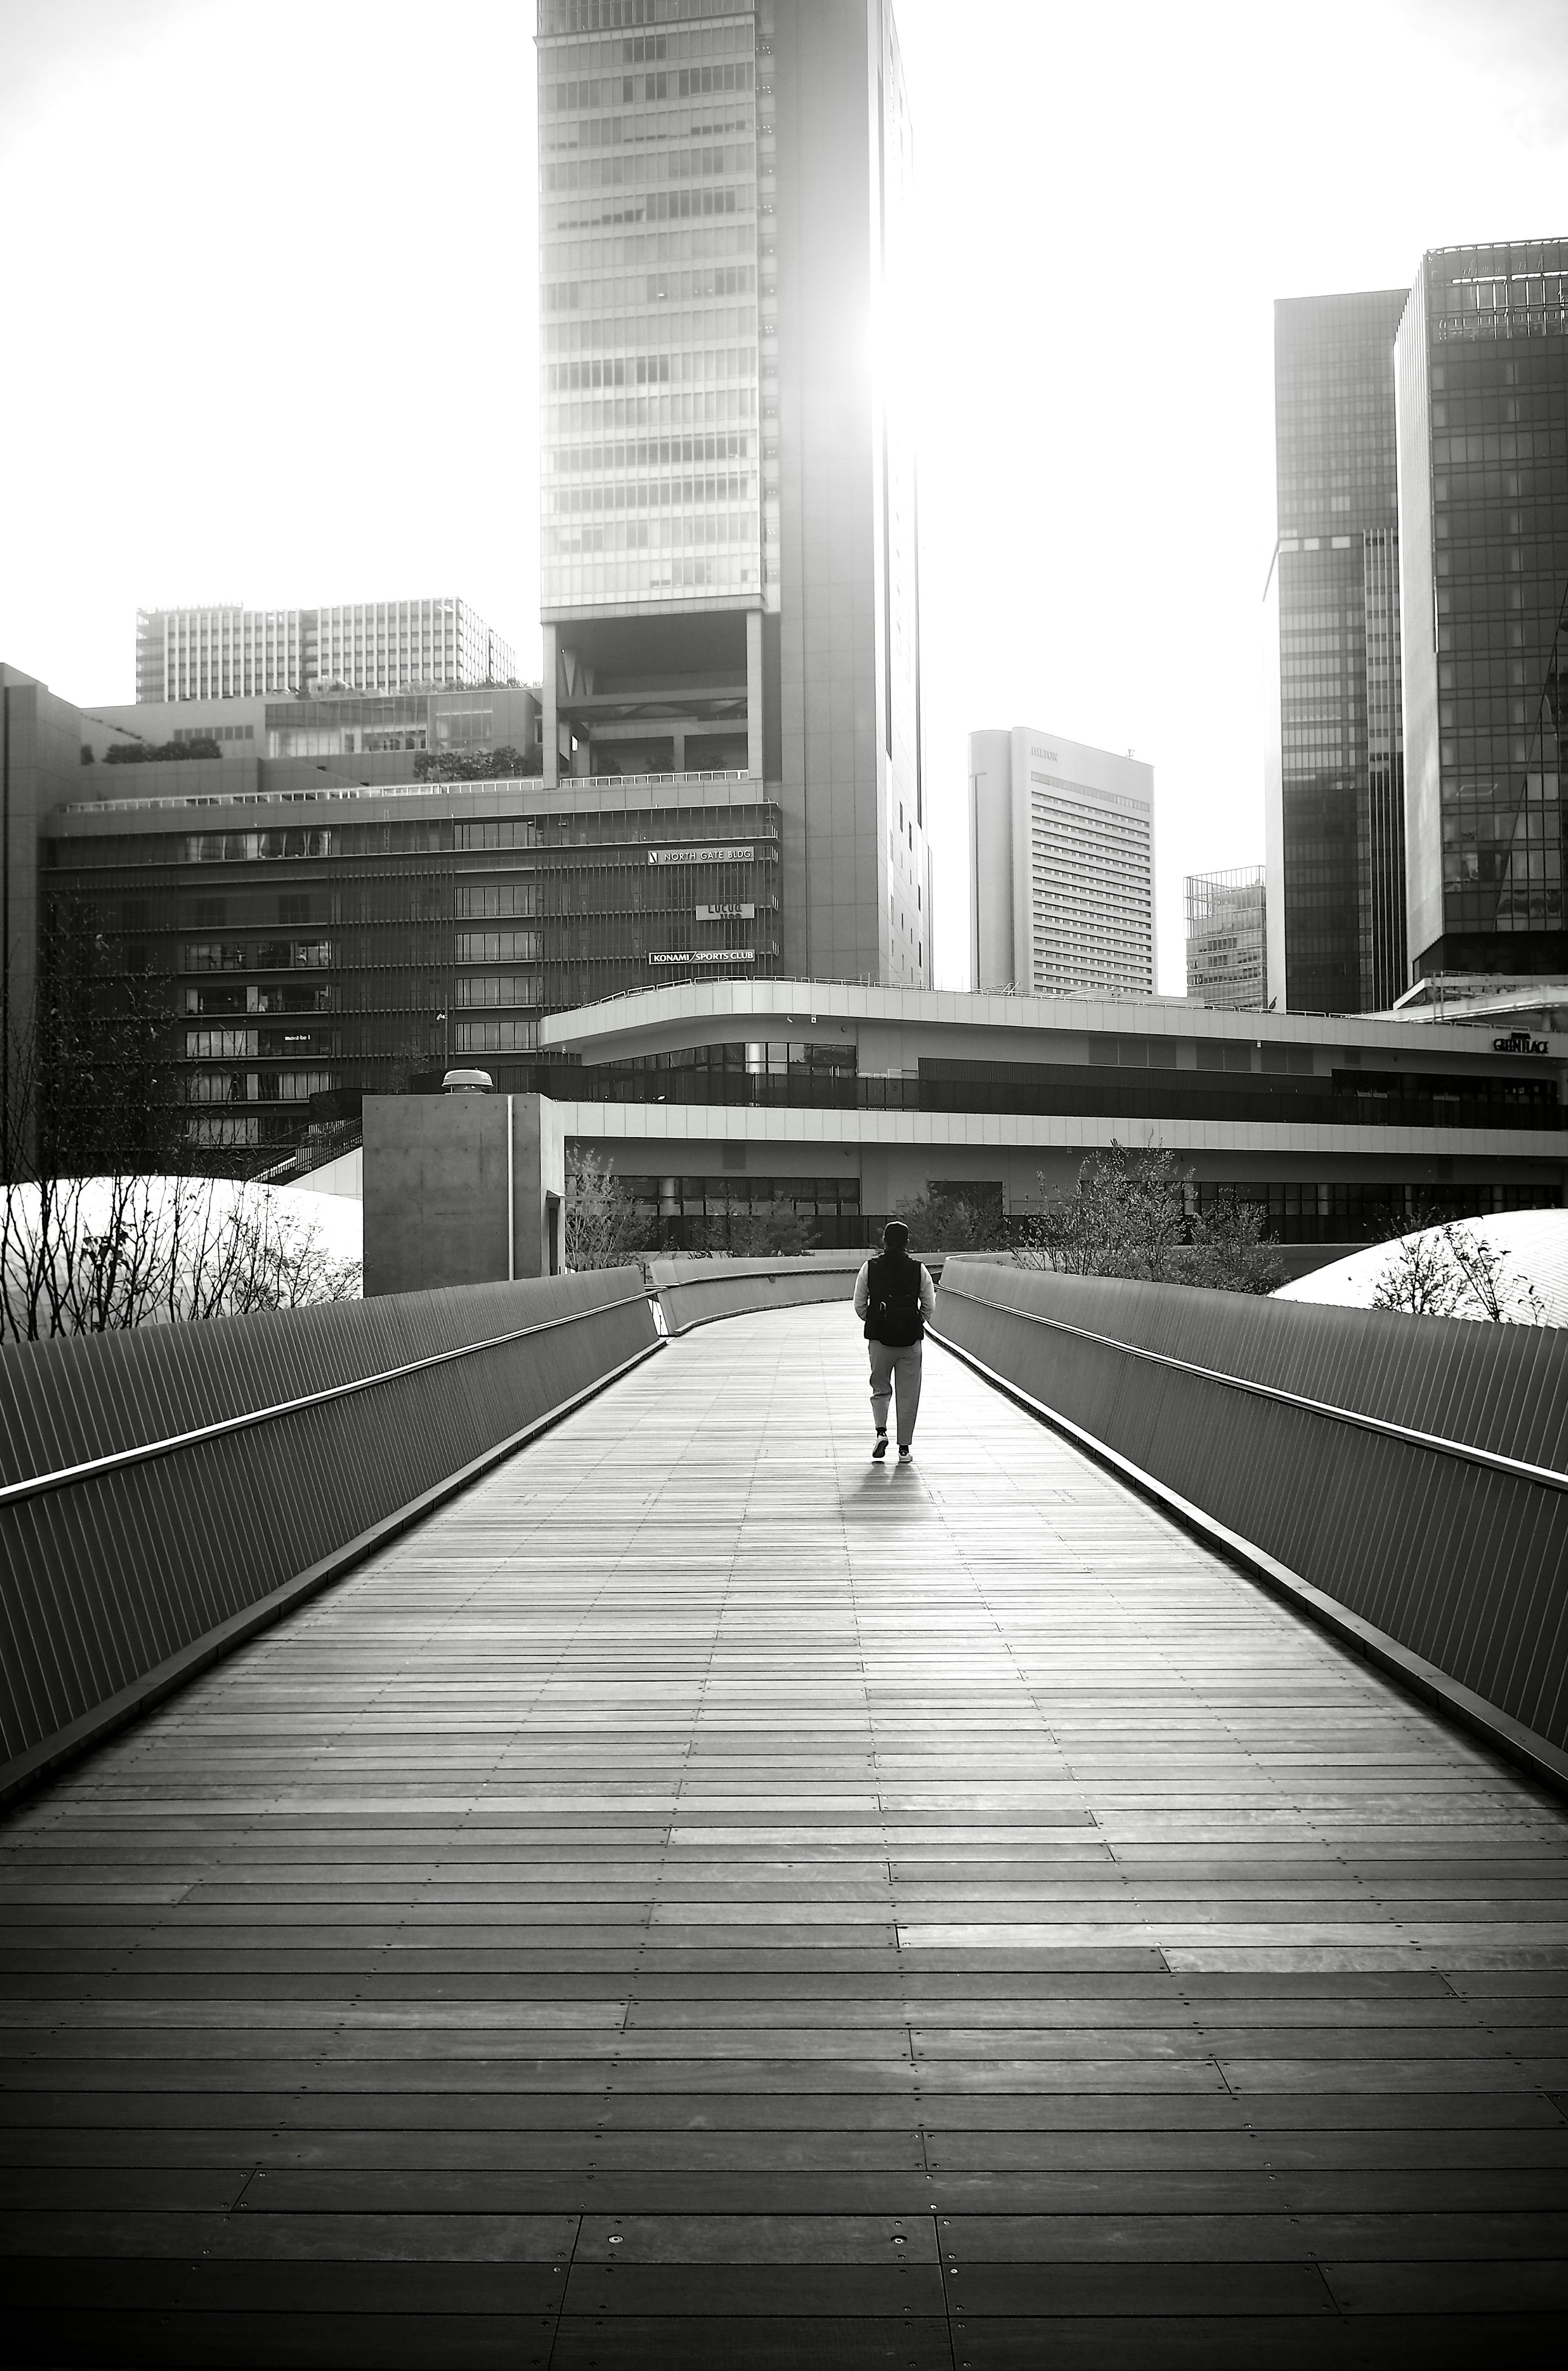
[(271, 330)]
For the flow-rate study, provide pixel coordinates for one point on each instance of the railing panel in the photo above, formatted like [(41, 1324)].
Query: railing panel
[(1462, 1563), (115, 1571), (692, 1290)]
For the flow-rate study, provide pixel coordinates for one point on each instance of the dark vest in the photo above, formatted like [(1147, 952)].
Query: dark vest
[(893, 1301)]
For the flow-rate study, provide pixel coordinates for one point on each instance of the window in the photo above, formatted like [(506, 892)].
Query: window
[(498, 946)]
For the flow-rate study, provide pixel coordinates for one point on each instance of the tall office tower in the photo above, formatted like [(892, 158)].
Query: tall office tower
[(1482, 370), (728, 495), (1227, 939), (233, 654), (1061, 849), (1333, 764)]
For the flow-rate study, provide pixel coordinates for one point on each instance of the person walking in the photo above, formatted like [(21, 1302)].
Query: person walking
[(895, 1296)]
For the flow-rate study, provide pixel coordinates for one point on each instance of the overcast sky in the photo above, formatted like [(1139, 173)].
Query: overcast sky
[(270, 332)]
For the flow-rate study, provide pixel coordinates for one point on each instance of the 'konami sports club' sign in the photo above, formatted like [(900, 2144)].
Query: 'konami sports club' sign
[(703, 955), (701, 855)]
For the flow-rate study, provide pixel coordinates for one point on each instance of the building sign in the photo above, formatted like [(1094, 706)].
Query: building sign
[(1521, 1042), (703, 955), (726, 913), (700, 855)]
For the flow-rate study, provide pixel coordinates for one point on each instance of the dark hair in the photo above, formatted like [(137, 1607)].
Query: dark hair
[(896, 1236)]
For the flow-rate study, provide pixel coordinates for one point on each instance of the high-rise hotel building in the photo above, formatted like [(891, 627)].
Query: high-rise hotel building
[(728, 488), (1481, 367), (1061, 850), (1333, 762)]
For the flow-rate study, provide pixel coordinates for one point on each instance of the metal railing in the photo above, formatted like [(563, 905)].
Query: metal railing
[(164, 1492), (1404, 1478)]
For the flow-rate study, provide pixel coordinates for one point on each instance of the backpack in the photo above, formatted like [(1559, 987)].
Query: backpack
[(893, 1305)]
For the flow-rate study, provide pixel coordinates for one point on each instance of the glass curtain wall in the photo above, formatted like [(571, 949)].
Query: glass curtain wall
[(647, 146)]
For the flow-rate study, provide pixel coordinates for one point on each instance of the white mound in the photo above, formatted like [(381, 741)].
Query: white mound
[(1533, 1244)]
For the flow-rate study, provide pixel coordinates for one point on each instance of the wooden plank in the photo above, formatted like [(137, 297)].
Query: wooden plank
[(797, 1912)]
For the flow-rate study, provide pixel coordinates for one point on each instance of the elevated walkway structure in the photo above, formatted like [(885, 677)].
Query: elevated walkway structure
[(703, 1899)]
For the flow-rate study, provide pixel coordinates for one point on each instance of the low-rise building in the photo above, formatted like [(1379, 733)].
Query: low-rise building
[(843, 1101)]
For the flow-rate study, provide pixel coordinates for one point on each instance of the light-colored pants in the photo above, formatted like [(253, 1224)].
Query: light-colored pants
[(895, 1365)]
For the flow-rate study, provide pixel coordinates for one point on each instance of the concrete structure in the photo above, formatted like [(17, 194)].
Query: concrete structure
[(383, 735), (1227, 939), (1061, 847), (461, 1189), (1538, 1005), (870, 1097), (1482, 385), (1333, 752), (229, 653), (728, 501), (835, 1104)]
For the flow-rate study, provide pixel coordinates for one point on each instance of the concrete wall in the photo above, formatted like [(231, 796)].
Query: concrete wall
[(992, 958), (1418, 629), (437, 1190)]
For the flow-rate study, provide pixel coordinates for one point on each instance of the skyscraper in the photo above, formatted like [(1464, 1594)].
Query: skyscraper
[(728, 491), (1482, 367), (1061, 847), (1333, 786)]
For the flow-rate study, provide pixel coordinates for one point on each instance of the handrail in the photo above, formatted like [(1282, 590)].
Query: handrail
[(34, 1485), (1518, 1468)]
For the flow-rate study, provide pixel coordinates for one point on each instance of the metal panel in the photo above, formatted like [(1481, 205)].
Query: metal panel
[(1464, 1563), (692, 1292), (110, 1571)]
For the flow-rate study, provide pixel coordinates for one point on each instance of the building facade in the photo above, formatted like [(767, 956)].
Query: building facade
[(827, 1098), (1227, 939), (1333, 752), (228, 652), (1481, 377), (379, 735), (728, 491), (320, 943), (1061, 844)]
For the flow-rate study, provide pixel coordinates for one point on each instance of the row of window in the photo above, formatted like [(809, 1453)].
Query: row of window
[(734, 527), (495, 1036), (257, 1086), (596, 414), (498, 946), (624, 91), (651, 452), (655, 288), (690, 369), (601, 331), (653, 494), (676, 165)]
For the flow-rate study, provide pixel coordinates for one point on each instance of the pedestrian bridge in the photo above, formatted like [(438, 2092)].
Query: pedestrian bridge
[(701, 1898)]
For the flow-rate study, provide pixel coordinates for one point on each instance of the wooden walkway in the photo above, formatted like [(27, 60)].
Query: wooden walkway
[(705, 1899)]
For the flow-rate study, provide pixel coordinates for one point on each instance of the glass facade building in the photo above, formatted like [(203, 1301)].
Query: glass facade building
[(1227, 939), (1481, 371), (651, 466), (729, 507), (1333, 761)]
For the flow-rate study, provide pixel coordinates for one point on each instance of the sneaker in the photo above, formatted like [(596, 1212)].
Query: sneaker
[(881, 1449), (904, 1452)]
